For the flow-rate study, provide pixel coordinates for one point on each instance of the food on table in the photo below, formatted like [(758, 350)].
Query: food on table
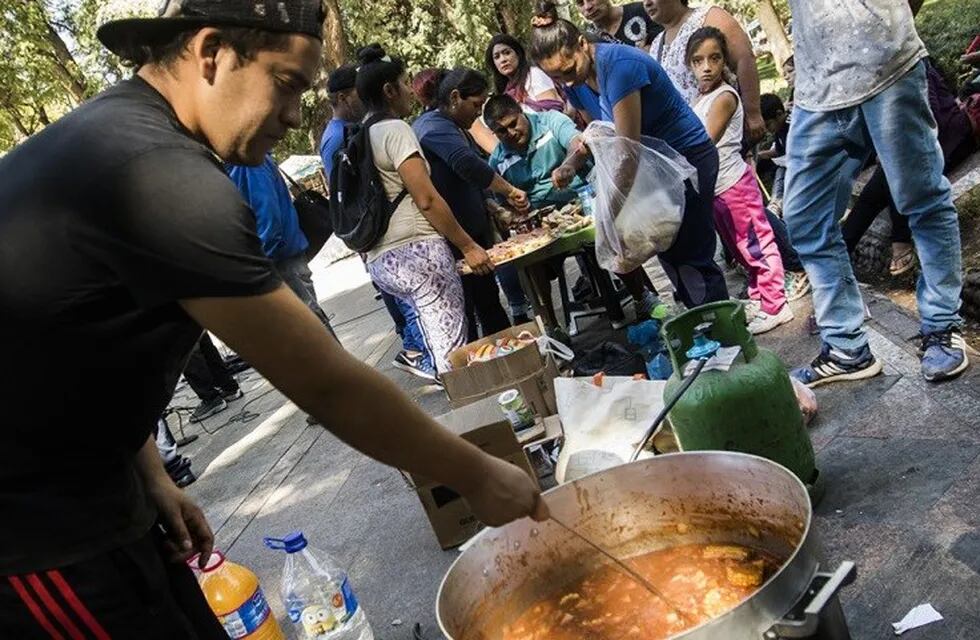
[(568, 219), (703, 580), (500, 347), (515, 247)]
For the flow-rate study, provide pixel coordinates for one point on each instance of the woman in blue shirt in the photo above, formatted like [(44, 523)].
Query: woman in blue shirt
[(629, 88)]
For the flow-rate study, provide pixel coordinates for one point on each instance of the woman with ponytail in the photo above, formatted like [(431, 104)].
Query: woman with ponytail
[(413, 261), (463, 177), (627, 87)]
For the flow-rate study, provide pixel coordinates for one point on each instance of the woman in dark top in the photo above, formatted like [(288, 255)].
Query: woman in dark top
[(462, 177), (626, 86)]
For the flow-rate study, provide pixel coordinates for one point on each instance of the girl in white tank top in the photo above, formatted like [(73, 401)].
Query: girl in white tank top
[(740, 217)]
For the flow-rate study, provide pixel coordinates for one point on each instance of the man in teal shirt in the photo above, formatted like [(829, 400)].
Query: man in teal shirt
[(532, 145)]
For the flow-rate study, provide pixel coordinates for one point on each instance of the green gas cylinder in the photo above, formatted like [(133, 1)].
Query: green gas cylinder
[(750, 408)]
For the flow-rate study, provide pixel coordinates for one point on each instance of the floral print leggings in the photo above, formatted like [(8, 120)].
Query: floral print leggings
[(424, 274)]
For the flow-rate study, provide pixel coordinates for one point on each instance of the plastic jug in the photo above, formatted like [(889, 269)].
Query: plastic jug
[(234, 594), (750, 408), (317, 593)]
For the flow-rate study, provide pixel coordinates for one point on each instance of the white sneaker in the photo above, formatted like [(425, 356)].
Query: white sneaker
[(765, 322), (752, 309)]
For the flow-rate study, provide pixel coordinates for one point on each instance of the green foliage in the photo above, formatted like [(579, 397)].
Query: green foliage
[(745, 10), (31, 91), (947, 27)]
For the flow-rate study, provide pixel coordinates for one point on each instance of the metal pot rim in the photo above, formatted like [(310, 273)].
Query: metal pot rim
[(804, 537)]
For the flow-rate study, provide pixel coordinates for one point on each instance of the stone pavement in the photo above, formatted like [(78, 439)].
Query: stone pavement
[(901, 460)]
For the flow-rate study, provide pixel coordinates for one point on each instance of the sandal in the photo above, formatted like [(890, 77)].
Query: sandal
[(902, 262)]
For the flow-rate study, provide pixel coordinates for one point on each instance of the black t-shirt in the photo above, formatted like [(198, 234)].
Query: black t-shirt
[(108, 217), (636, 29)]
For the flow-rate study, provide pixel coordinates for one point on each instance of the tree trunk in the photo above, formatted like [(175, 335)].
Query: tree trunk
[(64, 62), (335, 44), (42, 115), (506, 18), (15, 118), (772, 24)]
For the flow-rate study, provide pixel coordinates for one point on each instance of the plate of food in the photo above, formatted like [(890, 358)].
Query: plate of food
[(515, 247)]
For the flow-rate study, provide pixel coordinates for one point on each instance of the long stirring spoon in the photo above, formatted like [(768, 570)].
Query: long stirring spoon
[(630, 572)]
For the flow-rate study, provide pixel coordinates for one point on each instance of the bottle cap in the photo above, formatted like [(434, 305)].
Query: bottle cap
[(215, 560), (290, 543)]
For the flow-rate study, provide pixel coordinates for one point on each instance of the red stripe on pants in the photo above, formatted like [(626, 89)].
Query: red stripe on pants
[(77, 606), (33, 607), (53, 607)]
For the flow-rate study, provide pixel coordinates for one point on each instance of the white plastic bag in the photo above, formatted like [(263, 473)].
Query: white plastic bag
[(603, 425), (639, 196)]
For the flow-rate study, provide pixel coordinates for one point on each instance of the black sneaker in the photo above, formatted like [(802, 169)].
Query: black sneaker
[(208, 408), (231, 395), (943, 355), (412, 363), (834, 365), (179, 470)]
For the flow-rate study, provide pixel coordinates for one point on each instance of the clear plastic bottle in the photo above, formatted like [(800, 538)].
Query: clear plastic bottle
[(317, 593)]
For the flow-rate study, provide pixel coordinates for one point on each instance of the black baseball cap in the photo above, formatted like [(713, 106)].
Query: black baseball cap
[(289, 16), (344, 77)]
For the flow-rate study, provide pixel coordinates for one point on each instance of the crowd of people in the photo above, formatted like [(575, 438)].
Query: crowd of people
[(688, 77), (125, 237)]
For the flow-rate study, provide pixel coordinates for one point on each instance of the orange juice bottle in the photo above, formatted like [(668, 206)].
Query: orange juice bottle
[(237, 599)]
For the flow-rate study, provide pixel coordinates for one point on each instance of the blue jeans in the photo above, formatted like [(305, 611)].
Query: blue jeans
[(412, 334), (510, 283), (406, 320), (826, 151)]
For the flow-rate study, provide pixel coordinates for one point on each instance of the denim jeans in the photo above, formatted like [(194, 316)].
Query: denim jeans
[(295, 273), (826, 151), (510, 283), (412, 334)]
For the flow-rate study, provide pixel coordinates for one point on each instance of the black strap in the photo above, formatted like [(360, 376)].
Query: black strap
[(299, 188), (373, 119)]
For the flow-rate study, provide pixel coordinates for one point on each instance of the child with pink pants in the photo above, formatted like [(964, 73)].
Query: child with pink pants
[(740, 216)]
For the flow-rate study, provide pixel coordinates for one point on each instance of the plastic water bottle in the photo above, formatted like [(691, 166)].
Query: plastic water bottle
[(317, 593), (234, 594)]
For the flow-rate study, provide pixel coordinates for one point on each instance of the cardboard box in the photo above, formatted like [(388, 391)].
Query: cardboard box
[(483, 424), (525, 370)]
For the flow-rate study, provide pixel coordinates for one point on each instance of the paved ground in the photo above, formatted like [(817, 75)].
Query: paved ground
[(901, 460)]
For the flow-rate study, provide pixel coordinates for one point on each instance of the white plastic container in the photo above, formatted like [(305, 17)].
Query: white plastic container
[(317, 593)]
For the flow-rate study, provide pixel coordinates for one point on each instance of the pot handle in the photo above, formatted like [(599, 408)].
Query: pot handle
[(803, 624)]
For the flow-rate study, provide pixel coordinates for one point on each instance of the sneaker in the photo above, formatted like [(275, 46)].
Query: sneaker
[(179, 470), (752, 309), (943, 355), (229, 396), (834, 365), (412, 363), (797, 285), (764, 322), (643, 307), (208, 408)]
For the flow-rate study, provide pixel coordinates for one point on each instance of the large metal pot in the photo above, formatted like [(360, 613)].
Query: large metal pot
[(702, 496)]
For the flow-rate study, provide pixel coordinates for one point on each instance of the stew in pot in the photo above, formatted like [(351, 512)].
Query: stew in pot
[(703, 580)]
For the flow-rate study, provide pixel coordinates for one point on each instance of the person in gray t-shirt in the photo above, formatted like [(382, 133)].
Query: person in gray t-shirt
[(861, 87)]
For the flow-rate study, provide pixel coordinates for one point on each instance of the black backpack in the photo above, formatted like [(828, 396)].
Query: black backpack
[(359, 208)]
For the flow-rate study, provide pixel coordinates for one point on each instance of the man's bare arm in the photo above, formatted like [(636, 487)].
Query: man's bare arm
[(282, 339)]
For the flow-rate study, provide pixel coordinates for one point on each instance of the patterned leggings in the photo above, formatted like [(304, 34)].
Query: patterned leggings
[(424, 273)]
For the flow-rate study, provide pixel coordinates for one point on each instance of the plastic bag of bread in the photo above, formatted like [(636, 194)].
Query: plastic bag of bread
[(639, 196)]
